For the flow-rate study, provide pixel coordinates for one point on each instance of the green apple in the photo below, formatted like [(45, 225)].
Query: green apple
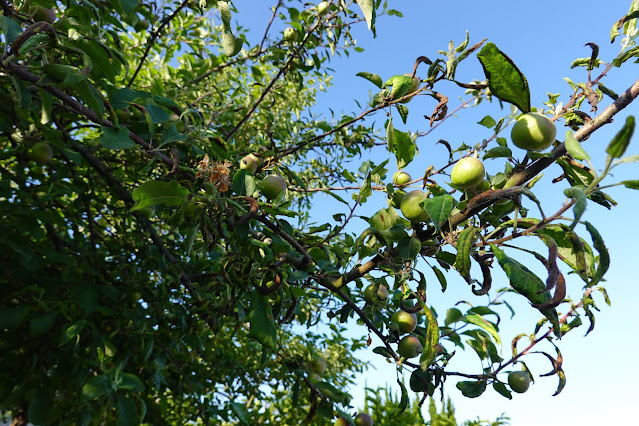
[(318, 365), (409, 347), (290, 34), (406, 322), (272, 186), (322, 8), (413, 88), (250, 163), (533, 132), (41, 152), (468, 172), (143, 24), (363, 419), (411, 208), (519, 381), (341, 422), (401, 178), (376, 294)]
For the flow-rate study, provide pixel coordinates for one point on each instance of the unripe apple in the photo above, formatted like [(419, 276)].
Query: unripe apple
[(409, 347), (533, 132), (318, 365), (272, 186), (341, 422), (322, 8), (413, 88), (519, 381), (363, 419), (143, 24), (401, 178), (250, 163), (468, 172), (406, 322), (41, 152), (42, 14), (290, 34), (411, 208), (376, 294)]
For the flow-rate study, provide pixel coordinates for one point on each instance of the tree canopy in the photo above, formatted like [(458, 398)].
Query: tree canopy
[(160, 262)]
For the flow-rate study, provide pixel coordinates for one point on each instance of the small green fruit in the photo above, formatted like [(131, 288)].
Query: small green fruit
[(533, 132), (272, 186), (143, 24), (41, 152), (401, 178), (363, 419), (413, 88), (519, 381), (314, 377), (409, 347), (290, 34), (341, 422), (468, 172), (376, 294), (411, 208), (407, 322), (318, 365), (249, 163), (322, 8), (42, 14)]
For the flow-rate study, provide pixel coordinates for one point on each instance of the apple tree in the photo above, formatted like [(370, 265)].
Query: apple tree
[(160, 264)]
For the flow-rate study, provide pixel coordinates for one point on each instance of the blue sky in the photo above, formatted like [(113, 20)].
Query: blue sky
[(542, 38)]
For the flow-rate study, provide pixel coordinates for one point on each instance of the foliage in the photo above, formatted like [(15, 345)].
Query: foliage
[(147, 279)]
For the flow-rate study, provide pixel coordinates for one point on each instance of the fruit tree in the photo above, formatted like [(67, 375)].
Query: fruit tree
[(160, 265)]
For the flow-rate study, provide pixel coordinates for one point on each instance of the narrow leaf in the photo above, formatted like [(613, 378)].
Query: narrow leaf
[(432, 339), (505, 80), (620, 142), (373, 78), (574, 148), (261, 320), (464, 245), (368, 8)]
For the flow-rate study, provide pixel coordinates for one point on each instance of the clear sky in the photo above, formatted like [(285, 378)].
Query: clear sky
[(542, 38)]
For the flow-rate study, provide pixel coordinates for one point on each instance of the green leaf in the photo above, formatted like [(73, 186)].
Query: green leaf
[(73, 331), (604, 255), (368, 8), (505, 80), (502, 390), (131, 382), (401, 85), (12, 317), (41, 407), (401, 145), (441, 277), (261, 320), (465, 242), (526, 283), (385, 219), (10, 28), (157, 192), (332, 392), (620, 142), (95, 387), (244, 183), (403, 402), (498, 152), (453, 315), (471, 389), (580, 205), (373, 78), (432, 339), (439, 209), (574, 148), (481, 322), (116, 138), (403, 112), (127, 411), (92, 99), (487, 121), (409, 247), (42, 324), (631, 184)]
